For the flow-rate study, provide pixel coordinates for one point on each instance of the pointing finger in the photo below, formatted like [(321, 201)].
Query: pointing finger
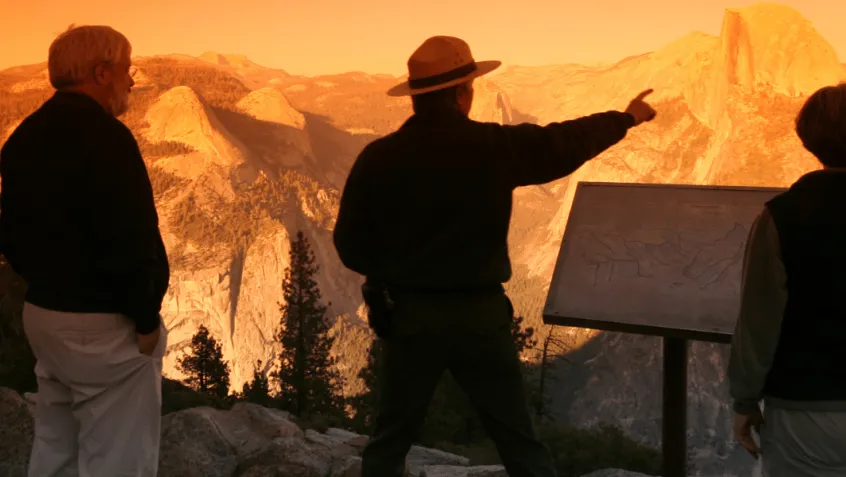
[(643, 94)]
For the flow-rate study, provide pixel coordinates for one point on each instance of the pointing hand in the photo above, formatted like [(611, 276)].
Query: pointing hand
[(639, 109)]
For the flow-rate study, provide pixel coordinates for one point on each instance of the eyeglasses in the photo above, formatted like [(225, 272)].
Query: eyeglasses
[(133, 70)]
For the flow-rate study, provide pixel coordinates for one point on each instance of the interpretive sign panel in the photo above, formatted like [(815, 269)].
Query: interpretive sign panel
[(657, 259)]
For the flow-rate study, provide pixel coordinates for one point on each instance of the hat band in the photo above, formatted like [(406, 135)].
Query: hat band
[(425, 82)]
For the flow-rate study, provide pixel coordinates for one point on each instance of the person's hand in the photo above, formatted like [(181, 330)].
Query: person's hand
[(640, 109), (147, 343), (743, 426)]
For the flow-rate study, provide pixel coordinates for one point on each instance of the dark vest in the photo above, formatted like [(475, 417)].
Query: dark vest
[(810, 360)]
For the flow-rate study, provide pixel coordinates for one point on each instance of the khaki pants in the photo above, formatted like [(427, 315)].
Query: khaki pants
[(98, 406), (803, 443)]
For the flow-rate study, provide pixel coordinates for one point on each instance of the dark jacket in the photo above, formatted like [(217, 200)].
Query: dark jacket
[(429, 206), (810, 359), (77, 218)]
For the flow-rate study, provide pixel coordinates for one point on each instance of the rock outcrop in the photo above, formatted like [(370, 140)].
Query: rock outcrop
[(279, 136), (141, 79), (767, 47), (774, 46), (490, 103), (40, 81), (233, 60), (179, 115), (248, 440), (269, 104)]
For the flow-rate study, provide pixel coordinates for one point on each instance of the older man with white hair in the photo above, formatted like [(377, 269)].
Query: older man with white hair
[(79, 224)]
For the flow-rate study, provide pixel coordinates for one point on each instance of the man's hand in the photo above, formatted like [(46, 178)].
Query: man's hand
[(147, 343), (640, 109), (743, 426)]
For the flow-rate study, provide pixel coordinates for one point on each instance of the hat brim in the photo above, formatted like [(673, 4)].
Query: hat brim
[(482, 68)]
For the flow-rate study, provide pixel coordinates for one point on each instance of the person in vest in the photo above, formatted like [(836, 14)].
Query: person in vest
[(79, 225), (789, 346), (424, 216)]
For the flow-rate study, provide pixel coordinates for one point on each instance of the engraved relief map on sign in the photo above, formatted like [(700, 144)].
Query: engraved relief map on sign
[(654, 258)]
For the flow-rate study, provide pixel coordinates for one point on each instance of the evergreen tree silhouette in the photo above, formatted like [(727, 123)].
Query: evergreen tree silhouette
[(365, 405), (524, 338), (257, 390), (309, 380), (204, 367)]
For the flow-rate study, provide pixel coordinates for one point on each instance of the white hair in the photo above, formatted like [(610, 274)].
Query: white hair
[(75, 53)]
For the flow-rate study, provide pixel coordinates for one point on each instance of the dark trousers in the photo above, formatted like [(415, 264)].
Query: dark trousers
[(470, 338)]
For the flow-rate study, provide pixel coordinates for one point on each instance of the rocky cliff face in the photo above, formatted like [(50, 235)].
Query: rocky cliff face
[(773, 46), (269, 104), (228, 222), (180, 116), (490, 103)]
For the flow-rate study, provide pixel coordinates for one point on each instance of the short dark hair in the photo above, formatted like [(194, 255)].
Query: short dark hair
[(436, 101), (821, 125)]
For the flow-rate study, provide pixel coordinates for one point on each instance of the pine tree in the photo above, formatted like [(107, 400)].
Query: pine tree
[(524, 339), (539, 398), (365, 405), (309, 380), (257, 391), (204, 367)]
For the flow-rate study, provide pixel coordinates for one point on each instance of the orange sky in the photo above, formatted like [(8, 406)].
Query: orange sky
[(376, 36)]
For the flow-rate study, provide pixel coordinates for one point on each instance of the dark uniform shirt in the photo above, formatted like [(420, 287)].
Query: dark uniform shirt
[(429, 206)]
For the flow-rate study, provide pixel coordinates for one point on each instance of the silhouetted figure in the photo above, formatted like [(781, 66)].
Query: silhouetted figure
[(79, 224), (789, 346), (425, 216)]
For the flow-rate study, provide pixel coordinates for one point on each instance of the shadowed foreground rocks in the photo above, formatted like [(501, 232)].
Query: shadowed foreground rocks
[(246, 441), (16, 433)]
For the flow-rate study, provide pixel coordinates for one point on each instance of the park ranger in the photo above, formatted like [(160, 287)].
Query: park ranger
[(424, 216)]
